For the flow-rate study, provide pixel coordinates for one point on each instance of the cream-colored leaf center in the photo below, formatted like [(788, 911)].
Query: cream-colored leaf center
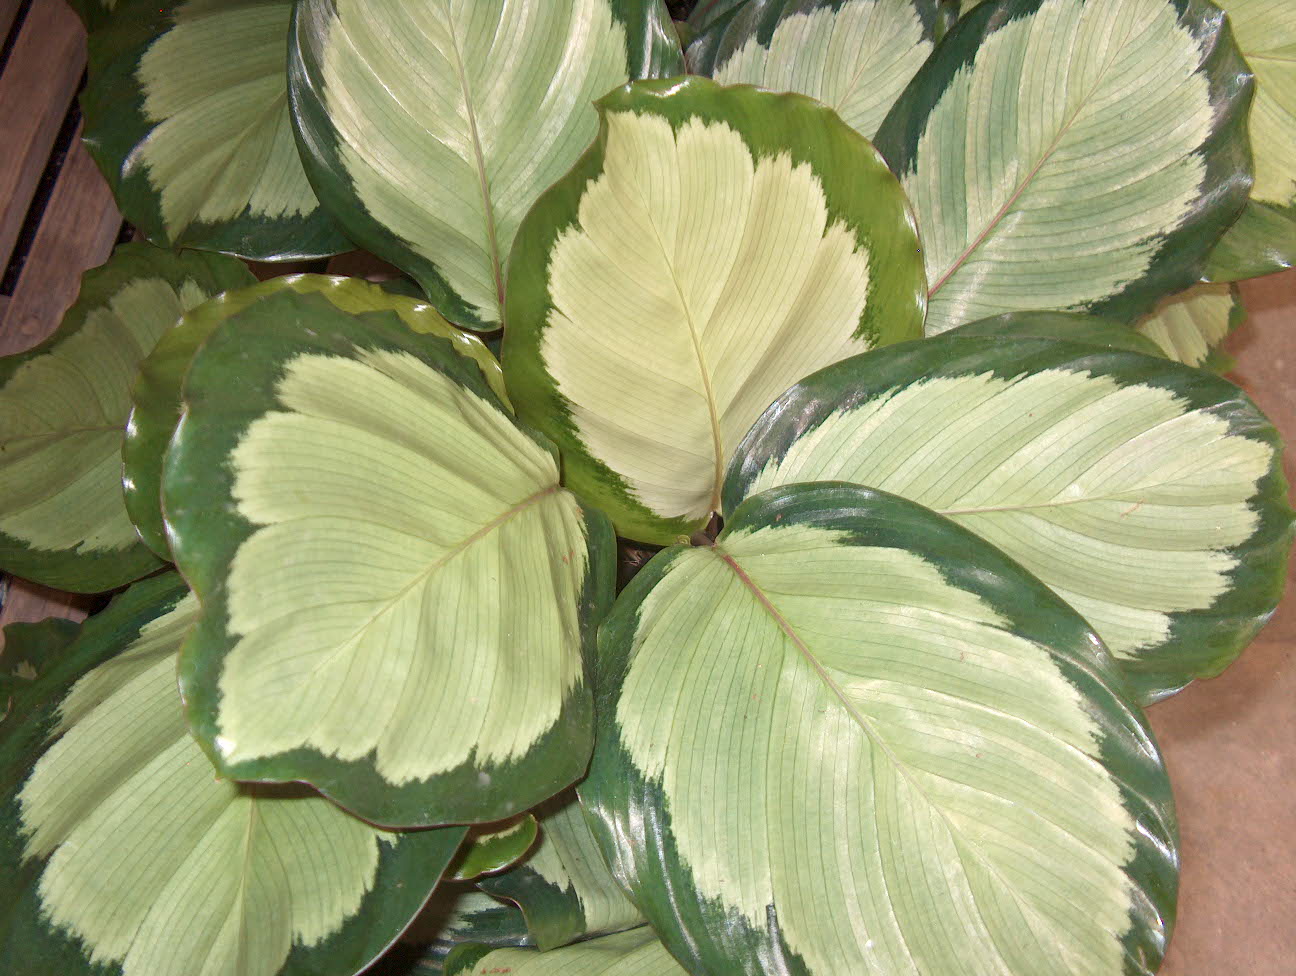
[(397, 512), (698, 284), (1118, 497), (156, 864), (833, 724), (1054, 164), (856, 58)]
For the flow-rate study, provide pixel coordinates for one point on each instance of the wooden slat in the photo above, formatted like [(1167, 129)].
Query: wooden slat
[(77, 232), (36, 90), (8, 11)]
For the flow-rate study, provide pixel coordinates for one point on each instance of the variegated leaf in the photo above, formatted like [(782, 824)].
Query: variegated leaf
[(456, 914), (187, 115), (564, 887), (851, 737), (1072, 154), (490, 848), (121, 851), (63, 411), (712, 247), (1148, 495), (1264, 239), (855, 56), (635, 953), (1088, 330), (396, 589), (156, 396), (1190, 326), (431, 126)]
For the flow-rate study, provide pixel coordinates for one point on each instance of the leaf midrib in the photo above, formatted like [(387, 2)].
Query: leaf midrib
[(492, 236), (424, 575), (1021, 188)]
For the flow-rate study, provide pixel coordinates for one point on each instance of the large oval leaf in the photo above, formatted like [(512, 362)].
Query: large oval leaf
[(856, 57), (714, 246), (564, 887), (1264, 239), (63, 410), (1148, 495), (635, 953), (187, 115), (122, 852), (1088, 330), (430, 127), (396, 589), (851, 737), (1189, 327), (156, 395), (1072, 154)]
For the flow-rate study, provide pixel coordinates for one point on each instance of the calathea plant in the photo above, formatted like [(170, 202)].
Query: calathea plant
[(889, 335)]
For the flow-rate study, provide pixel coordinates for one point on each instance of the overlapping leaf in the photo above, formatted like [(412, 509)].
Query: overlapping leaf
[(712, 247), (187, 115), (1190, 326), (396, 589), (455, 915), (430, 127), (635, 953), (1264, 239), (123, 853), (1072, 154), (1089, 330), (63, 411), (156, 395), (855, 56), (1147, 495), (852, 737), (564, 887)]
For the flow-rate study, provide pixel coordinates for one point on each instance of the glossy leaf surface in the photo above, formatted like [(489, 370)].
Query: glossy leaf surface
[(63, 411), (716, 244), (635, 953), (494, 847), (855, 56), (156, 394), (1089, 330), (187, 115), (1072, 154), (431, 126), (123, 853), (349, 500), (1190, 326), (564, 887), (1147, 495), (1264, 240), (852, 737)]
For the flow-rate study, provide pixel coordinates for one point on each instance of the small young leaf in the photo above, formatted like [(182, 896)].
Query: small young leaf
[(186, 113), (713, 246), (156, 395), (396, 589), (1072, 154), (494, 847), (564, 887), (1148, 495), (63, 411), (430, 127), (122, 851), (851, 737)]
